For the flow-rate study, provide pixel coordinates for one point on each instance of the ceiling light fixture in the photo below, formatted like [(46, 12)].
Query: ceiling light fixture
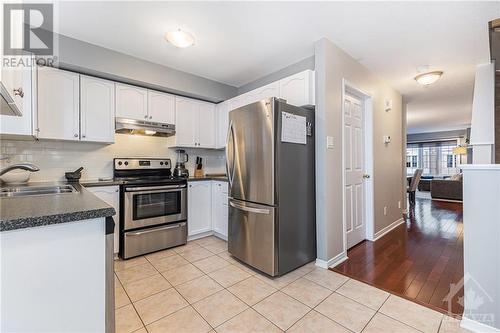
[(428, 78), (180, 38)]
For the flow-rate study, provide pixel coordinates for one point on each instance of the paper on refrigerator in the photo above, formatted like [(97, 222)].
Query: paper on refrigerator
[(293, 128)]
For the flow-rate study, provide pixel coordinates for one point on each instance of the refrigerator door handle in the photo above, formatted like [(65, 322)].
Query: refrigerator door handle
[(230, 134), (249, 209)]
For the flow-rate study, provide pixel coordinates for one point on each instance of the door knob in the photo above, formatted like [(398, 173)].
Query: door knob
[(19, 92), (366, 176)]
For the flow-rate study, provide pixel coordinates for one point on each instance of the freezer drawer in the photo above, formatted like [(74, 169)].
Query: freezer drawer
[(154, 239), (251, 235)]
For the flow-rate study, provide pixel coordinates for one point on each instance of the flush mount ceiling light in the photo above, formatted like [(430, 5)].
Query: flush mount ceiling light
[(180, 38), (428, 78)]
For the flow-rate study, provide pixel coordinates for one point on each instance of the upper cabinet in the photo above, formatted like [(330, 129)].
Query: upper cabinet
[(161, 107), (58, 104), (74, 107), (131, 102), (97, 109), (195, 123), (270, 90), (222, 124), (298, 89)]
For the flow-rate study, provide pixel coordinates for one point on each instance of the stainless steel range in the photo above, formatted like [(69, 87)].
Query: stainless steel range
[(153, 206)]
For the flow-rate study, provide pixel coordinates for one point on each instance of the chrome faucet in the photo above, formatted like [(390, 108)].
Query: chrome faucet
[(22, 166)]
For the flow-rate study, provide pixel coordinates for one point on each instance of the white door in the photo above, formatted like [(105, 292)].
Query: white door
[(111, 196), (199, 207), (354, 169), (131, 102), (58, 104), (161, 107), (222, 115), (97, 109), (186, 122), (206, 125)]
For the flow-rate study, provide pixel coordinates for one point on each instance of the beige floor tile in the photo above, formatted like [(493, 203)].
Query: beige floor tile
[(227, 256), (307, 292), (451, 325), (362, 293), (248, 321), (187, 247), (127, 320), (169, 263), (229, 275), (244, 267), (209, 240), (282, 281), (251, 290), (121, 297), (412, 314), (198, 289), (136, 273), (159, 305), (182, 274), (182, 321), (141, 330), (346, 312), (216, 248), (211, 264), (196, 254), (118, 284), (120, 264), (281, 310), (317, 323), (219, 307), (381, 323), (160, 255), (326, 278), (307, 268), (143, 288)]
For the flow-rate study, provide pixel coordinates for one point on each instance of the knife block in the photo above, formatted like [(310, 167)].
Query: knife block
[(198, 173)]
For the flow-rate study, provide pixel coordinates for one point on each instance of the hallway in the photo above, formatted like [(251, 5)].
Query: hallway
[(418, 260)]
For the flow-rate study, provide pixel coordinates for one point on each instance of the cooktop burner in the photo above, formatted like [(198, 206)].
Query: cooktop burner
[(144, 171)]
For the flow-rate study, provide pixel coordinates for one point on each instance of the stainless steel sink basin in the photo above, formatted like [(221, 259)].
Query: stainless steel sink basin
[(22, 191)]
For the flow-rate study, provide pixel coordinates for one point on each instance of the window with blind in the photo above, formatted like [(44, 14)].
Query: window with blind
[(435, 158)]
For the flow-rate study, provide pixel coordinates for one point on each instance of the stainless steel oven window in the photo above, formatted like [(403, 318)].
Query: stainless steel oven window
[(152, 205)]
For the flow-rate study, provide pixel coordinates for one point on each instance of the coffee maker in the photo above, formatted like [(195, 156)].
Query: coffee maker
[(180, 170)]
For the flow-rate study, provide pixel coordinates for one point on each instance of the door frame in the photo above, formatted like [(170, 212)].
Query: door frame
[(351, 89)]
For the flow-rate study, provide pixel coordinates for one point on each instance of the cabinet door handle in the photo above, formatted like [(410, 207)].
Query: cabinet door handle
[(84, 136), (146, 117), (150, 117), (19, 92), (76, 135)]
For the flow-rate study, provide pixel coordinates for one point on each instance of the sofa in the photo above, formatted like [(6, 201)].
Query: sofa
[(425, 183), (447, 189)]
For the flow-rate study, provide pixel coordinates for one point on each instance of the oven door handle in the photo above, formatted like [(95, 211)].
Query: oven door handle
[(139, 233), (153, 188)]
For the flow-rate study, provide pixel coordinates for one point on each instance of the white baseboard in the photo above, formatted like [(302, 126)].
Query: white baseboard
[(384, 231), (200, 235), (335, 261), (476, 326), (216, 234)]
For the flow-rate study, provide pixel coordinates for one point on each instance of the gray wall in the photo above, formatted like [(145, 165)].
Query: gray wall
[(300, 66), (436, 136), (332, 65), (91, 59)]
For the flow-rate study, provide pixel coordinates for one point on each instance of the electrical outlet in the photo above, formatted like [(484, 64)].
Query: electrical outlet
[(385, 210), (399, 204)]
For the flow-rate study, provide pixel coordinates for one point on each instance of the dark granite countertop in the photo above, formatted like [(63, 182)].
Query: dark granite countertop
[(208, 177), (33, 211)]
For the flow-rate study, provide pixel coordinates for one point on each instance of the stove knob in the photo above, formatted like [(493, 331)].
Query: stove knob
[(161, 163), (120, 163), (126, 163)]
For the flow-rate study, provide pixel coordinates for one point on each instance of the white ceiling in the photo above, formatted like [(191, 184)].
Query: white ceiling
[(239, 42)]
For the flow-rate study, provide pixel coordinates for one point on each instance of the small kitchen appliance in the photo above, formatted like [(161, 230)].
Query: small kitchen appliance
[(153, 206), (180, 170)]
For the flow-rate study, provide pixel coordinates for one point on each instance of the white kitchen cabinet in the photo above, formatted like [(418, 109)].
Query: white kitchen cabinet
[(58, 104), (199, 207), (194, 123), (238, 101), (131, 102), (270, 90), (161, 107), (111, 196), (298, 89), (97, 109), (220, 208), (206, 125), (222, 124)]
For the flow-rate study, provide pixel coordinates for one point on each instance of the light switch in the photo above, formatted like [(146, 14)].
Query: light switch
[(329, 142), (387, 139), (388, 105)]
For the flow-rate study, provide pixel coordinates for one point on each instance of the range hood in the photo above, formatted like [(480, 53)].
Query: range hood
[(8, 106), (141, 127)]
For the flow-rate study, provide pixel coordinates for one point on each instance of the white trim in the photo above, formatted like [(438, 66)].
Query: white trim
[(476, 326), (480, 167), (221, 236), (335, 261), (368, 160), (386, 230), (200, 235)]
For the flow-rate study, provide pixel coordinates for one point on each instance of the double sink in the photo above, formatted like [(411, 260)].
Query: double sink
[(22, 191)]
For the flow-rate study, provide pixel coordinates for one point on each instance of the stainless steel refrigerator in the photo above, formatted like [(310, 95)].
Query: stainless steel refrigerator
[(271, 171)]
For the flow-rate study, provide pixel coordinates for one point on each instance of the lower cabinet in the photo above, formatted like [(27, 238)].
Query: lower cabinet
[(207, 208), (199, 207), (111, 196)]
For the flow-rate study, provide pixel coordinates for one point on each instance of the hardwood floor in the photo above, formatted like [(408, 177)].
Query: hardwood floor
[(418, 260)]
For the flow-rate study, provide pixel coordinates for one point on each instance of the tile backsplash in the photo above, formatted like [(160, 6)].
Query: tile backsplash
[(56, 157)]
